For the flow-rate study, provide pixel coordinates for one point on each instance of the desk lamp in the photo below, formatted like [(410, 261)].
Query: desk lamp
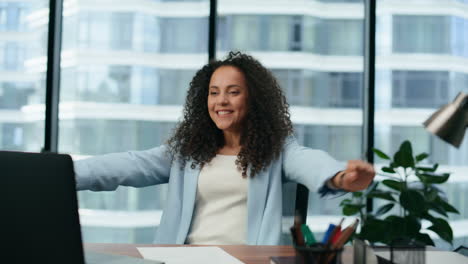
[(450, 121)]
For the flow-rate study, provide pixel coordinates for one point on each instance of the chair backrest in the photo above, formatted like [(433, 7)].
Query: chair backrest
[(302, 199)]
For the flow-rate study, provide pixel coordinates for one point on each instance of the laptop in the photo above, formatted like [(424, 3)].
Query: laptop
[(39, 218)]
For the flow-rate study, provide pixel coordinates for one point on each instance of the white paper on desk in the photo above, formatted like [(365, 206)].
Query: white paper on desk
[(435, 257), (192, 255)]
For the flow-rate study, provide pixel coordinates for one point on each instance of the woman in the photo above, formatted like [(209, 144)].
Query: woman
[(227, 161)]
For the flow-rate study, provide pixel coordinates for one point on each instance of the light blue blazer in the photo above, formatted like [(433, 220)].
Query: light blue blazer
[(156, 166)]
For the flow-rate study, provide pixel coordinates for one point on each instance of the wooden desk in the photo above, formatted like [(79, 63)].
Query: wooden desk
[(246, 254)]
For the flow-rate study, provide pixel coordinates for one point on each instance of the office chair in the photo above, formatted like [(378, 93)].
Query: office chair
[(302, 199)]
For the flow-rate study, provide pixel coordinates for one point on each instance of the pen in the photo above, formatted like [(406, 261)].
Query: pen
[(308, 235), (328, 233), (345, 235), (335, 236), (334, 233)]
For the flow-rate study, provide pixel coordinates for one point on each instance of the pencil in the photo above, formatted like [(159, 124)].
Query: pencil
[(343, 238), (296, 230)]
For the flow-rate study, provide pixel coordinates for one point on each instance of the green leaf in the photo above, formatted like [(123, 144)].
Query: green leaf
[(388, 170), (380, 154), (352, 209), (433, 178), (357, 194), (432, 194), (395, 228), (384, 209), (447, 207), (371, 188), (428, 216), (443, 229), (421, 156), (374, 230), (401, 228), (345, 202), (413, 201), (404, 156), (437, 208), (386, 195), (396, 185), (412, 224), (424, 238), (429, 169)]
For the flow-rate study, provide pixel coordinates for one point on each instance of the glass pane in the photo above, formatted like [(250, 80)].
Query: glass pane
[(420, 67), (23, 42), (124, 76), (317, 59)]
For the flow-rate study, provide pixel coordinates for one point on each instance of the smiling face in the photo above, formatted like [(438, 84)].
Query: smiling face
[(227, 99)]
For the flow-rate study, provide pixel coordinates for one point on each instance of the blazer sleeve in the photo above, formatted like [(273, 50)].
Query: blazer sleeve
[(133, 168), (310, 167)]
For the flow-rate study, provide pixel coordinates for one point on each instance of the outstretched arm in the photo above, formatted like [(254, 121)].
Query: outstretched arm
[(319, 171), (356, 177), (132, 168), (310, 167)]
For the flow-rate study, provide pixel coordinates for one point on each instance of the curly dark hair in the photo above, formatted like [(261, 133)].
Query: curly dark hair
[(266, 126)]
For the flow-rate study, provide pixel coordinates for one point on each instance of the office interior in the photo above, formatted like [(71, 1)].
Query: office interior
[(126, 65)]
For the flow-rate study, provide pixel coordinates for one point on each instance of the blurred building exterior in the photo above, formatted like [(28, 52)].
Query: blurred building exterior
[(126, 66)]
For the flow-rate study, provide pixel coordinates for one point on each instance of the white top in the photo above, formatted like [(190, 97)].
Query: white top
[(220, 215)]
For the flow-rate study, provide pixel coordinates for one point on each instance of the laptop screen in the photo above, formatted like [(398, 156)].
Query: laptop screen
[(39, 219)]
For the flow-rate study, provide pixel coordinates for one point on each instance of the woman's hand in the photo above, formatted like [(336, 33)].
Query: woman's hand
[(357, 176)]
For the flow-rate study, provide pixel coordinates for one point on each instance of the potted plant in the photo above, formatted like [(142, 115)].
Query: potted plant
[(411, 190)]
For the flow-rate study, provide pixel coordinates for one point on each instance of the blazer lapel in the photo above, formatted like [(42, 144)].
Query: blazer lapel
[(188, 204), (256, 200)]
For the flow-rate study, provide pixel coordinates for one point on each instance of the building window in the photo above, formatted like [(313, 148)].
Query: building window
[(15, 95), (184, 35), (321, 89), (420, 88), (342, 142), (460, 36), (421, 34), (333, 36), (121, 33), (345, 89), (174, 85), (246, 32), (260, 33), (339, 37)]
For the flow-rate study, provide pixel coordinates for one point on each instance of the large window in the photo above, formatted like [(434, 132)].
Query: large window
[(421, 68), (21, 87), (124, 77), (315, 49)]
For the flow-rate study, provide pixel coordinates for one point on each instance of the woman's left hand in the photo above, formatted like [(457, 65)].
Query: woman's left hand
[(357, 176)]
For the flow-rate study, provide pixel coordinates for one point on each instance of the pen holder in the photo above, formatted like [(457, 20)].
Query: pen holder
[(318, 254)]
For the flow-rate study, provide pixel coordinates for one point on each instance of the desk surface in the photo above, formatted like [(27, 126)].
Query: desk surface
[(246, 254)]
